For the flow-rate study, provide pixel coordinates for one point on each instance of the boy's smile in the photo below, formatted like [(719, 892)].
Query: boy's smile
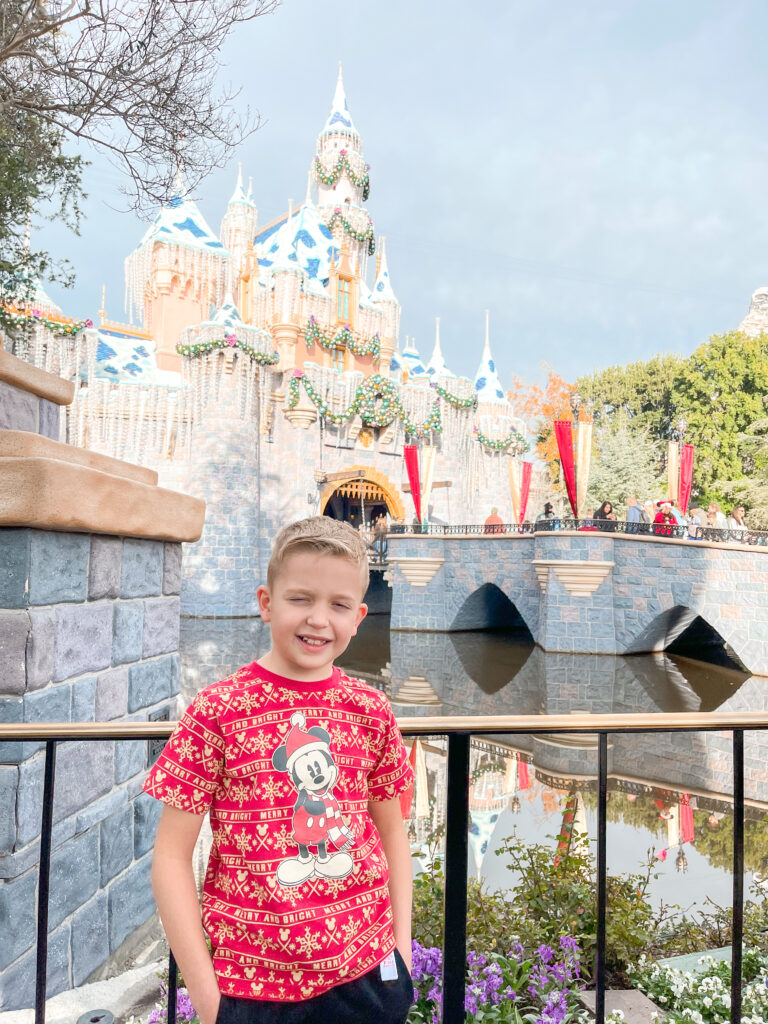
[(313, 608)]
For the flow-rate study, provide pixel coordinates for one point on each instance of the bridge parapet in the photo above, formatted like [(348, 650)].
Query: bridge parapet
[(584, 592)]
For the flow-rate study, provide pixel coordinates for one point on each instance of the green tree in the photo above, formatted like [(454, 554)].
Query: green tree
[(640, 391), (719, 391), (624, 463), (752, 491)]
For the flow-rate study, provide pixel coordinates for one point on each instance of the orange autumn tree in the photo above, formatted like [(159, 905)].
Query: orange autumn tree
[(540, 407)]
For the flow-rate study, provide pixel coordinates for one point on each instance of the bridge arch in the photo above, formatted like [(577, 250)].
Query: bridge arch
[(685, 631), (488, 607)]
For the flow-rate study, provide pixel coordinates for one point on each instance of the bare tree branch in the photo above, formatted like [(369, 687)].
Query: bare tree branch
[(137, 80)]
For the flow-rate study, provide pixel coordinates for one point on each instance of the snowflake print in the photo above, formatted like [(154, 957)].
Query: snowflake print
[(240, 792), (248, 701), (333, 886), (271, 789), (173, 796), (308, 942), (261, 743), (282, 839), (339, 738), (185, 748), (226, 885), (242, 841)]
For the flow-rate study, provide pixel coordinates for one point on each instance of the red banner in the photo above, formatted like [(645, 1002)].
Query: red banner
[(686, 819), (523, 779), (525, 487), (411, 456), (686, 477), (564, 435)]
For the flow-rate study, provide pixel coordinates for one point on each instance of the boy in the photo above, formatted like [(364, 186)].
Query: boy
[(307, 896)]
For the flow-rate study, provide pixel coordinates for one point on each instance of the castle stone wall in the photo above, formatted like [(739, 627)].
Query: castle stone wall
[(89, 631)]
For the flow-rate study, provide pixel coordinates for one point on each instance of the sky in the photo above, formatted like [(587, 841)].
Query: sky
[(593, 174)]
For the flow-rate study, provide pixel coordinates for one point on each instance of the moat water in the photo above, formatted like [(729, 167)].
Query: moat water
[(522, 783)]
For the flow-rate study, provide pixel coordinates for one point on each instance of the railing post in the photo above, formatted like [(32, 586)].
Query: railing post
[(737, 928), (43, 881), (602, 890), (173, 980), (456, 863)]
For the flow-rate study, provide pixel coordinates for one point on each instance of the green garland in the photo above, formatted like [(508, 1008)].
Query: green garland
[(342, 164), (343, 338), (454, 400), (501, 446), (376, 401), (11, 318), (359, 236), (230, 341)]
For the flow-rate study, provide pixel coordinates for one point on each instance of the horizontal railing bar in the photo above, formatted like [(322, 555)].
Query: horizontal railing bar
[(709, 721)]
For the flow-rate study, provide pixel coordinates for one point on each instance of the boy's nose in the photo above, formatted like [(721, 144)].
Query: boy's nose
[(318, 616)]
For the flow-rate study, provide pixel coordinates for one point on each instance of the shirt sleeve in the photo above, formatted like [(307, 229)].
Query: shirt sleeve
[(392, 774), (188, 772)]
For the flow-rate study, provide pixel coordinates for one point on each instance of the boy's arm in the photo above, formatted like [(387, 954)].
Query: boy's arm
[(173, 883), (388, 819)]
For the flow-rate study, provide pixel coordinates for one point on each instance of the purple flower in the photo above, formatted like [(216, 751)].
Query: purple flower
[(88, 323)]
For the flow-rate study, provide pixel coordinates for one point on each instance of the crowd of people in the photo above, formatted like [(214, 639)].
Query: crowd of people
[(661, 517)]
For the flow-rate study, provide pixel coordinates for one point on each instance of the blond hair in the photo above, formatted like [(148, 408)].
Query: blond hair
[(324, 536)]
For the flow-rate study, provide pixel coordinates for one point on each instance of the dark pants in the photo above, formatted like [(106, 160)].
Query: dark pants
[(366, 999)]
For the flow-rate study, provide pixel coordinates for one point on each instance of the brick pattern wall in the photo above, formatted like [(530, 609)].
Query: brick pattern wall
[(89, 631)]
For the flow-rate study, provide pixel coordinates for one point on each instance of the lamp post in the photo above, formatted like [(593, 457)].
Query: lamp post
[(673, 457)]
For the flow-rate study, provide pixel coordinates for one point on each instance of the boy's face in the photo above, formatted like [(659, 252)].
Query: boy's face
[(314, 608)]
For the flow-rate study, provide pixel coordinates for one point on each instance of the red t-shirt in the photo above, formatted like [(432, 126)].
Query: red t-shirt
[(295, 899)]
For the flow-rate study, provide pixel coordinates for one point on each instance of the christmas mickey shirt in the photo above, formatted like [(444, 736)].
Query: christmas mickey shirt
[(295, 898)]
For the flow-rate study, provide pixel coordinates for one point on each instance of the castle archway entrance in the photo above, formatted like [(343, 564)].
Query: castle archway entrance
[(359, 495)]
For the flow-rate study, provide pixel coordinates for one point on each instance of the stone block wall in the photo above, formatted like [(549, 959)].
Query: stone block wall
[(89, 631), (22, 410)]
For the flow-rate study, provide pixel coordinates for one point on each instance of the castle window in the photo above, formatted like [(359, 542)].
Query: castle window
[(342, 300), (337, 359)]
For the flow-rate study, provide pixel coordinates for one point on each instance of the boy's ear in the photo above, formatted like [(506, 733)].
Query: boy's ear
[(264, 599), (362, 611)]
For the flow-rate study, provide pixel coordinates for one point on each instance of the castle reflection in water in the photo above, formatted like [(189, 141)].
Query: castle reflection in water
[(669, 793)]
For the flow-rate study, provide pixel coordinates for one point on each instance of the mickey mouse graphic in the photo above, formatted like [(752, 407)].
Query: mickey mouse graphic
[(306, 757)]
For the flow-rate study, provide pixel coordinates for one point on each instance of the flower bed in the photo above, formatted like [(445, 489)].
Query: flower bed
[(704, 996)]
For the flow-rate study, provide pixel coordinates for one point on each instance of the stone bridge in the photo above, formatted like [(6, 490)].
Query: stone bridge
[(591, 593)]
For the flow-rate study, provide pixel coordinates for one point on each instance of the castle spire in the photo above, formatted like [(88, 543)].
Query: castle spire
[(340, 120), (487, 384), (239, 196), (436, 366)]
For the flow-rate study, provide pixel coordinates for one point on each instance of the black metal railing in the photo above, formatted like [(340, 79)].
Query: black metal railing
[(670, 531), (458, 732)]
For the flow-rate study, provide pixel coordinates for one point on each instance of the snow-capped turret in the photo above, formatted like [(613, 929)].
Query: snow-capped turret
[(383, 295), (343, 181), (411, 360), (487, 384), (238, 228)]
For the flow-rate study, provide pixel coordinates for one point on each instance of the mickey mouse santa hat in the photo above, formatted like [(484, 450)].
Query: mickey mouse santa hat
[(300, 741)]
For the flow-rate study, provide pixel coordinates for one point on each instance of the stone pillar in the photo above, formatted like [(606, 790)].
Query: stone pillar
[(90, 576)]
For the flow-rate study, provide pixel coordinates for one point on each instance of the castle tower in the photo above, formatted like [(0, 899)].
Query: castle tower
[(238, 229), (343, 182), (385, 298), (176, 274)]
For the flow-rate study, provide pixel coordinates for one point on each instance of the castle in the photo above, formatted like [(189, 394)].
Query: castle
[(267, 377)]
